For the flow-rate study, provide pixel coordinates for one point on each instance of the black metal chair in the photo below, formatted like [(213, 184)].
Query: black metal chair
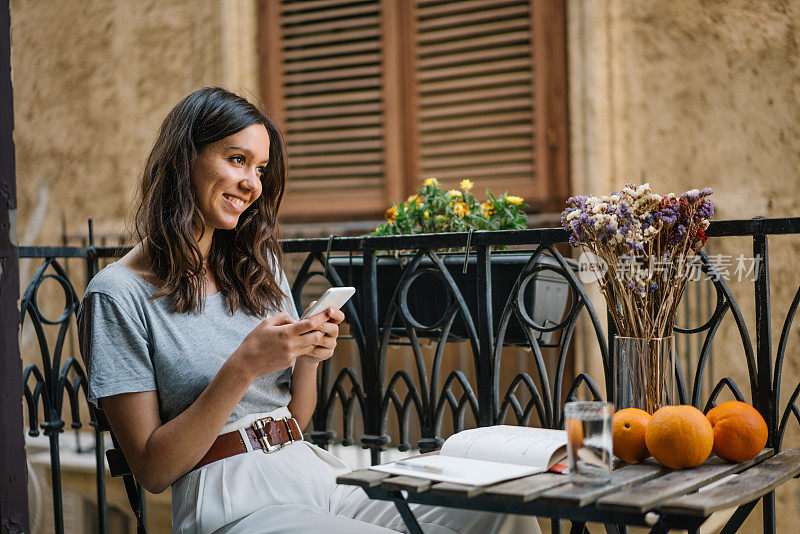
[(118, 465)]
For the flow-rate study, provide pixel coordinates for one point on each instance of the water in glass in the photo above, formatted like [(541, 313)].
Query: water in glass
[(589, 441)]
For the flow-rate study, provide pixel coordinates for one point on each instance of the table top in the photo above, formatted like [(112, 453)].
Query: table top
[(636, 494)]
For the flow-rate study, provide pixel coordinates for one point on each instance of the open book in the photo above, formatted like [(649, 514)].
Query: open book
[(487, 455)]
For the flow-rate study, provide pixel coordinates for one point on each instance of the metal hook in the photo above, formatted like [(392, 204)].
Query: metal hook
[(327, 255), (466, 251)]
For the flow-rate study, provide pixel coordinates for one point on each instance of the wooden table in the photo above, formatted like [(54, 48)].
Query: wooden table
[(645, 494)]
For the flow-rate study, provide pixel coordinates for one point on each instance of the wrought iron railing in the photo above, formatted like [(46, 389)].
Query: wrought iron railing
[(480, 308)]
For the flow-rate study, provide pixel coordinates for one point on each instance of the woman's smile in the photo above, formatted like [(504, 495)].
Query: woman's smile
[(237, 203)]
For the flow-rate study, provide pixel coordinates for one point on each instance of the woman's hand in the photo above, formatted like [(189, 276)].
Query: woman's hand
[(278, 341), (324, 349)]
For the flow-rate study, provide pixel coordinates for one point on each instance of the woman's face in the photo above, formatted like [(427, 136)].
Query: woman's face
[(227, 176)]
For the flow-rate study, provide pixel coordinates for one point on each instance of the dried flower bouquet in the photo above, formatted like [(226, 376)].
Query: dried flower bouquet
[(646, 243)]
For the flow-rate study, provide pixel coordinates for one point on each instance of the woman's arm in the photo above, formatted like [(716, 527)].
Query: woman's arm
[(304, 375), (160, 454)]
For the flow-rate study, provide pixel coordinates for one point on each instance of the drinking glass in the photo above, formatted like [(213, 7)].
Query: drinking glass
[(589, 441)]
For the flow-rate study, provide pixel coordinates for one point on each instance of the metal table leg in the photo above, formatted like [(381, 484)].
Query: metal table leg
[(407, 514), (738, 517)]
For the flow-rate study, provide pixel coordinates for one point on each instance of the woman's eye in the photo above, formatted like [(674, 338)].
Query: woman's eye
[(237, 159), (262, 170)]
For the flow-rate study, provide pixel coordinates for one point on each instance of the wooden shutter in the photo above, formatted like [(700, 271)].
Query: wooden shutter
[(483, 92), (375, 95), (324, 82)]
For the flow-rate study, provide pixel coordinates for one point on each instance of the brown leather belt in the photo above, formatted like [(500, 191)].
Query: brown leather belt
[(266, 434)]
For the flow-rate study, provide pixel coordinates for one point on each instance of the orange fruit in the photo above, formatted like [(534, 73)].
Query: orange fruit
[(679, 436), (629, 429), (739, 431)]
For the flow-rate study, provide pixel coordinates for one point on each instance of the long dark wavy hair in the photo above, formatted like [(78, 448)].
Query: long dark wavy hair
[(245, 261)]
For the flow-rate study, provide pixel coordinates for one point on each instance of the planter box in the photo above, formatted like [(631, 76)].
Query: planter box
[(546, 295)]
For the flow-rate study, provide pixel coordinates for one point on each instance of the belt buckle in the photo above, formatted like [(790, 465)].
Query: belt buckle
[(266, 446)]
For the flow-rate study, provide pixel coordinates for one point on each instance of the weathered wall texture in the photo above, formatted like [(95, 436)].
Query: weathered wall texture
[(92, 82), (693, 94)]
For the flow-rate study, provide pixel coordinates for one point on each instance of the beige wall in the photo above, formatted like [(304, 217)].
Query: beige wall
[(92, 82), (696, 94), (692, 93)]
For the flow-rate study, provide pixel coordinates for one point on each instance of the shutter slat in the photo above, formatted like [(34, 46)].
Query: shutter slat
[(499, 157), (329, 124), (455, 35), (306, 160), (334, 184), (309, 17), (332, 62), (346, 170), (328, 51), (334, 111), (334, 99), (477, 121), (337, 74), (326, 41), (329, 87), (460, 147), (462, 19), (480, 108), (484, 41), (473, 82), (433, 9), (492, 59), (484, 173), (329, 26), (513, 94), (335, 148), (312, 137), (474, 70), (480, 132), (315, 5)]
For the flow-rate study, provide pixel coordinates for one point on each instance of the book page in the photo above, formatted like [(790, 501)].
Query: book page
[(458, 470), (536, 447)]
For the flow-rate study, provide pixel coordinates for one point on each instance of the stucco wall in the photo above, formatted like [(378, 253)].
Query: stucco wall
[(92, 82), (692, 94)]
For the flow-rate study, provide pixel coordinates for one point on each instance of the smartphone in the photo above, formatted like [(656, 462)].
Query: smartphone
[(335, 297)]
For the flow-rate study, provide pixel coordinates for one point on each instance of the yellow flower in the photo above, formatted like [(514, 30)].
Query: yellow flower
[(466, 185), (431, 181), (488, 208), (391, 214), (514, 200), (414, 198), (454, 193), (461, 209), (427, 214)]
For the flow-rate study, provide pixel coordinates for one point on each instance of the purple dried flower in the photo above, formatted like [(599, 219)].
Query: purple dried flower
[(691, 196), (705, 209)]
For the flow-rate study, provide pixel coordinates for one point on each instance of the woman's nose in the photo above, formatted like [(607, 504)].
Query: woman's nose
[(252, 182)]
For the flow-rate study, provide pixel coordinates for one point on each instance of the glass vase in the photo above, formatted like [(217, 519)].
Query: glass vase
[(644, 372)]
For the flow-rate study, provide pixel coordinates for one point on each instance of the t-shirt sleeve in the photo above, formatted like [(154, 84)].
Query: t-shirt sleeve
[(115, 348)]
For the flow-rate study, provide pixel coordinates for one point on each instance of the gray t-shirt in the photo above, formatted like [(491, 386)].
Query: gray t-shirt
[(131, 343)]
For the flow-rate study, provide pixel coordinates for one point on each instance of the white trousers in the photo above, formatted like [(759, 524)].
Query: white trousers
[(294, 490)]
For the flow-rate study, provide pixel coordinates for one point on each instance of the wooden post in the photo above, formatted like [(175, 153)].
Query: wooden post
[(13, 473)]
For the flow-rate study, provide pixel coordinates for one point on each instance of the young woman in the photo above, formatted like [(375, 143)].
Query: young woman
[(195, 351)]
